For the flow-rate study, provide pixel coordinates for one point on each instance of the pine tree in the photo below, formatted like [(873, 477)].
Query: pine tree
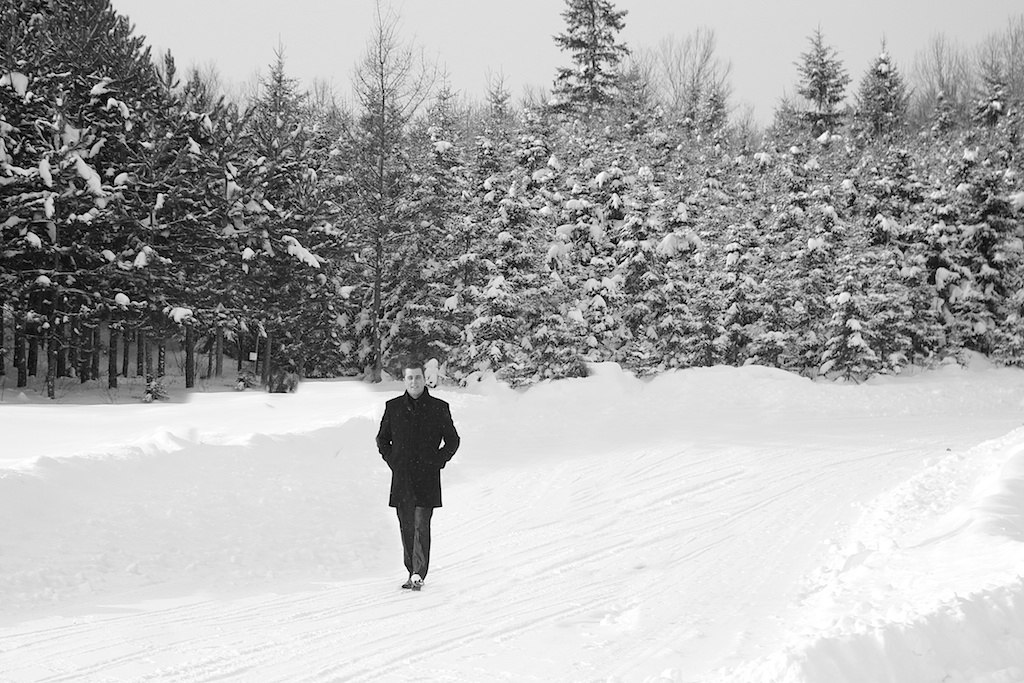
[(168, 196), (740, 297), (638, 112), (944, 118), (487, 171), (495, 240), (321, 344), (848, 349), (905, 326), (653, 240), (890, 183), (429, 292), (504, 308), (823, 83), (286, 206), (807, 235), (993, 100), (91, 81), (391, 85), (882, 100), (970, 252), (590, 38), (715, 114)]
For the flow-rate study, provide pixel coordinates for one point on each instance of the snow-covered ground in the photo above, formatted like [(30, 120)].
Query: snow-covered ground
[(715, 524)]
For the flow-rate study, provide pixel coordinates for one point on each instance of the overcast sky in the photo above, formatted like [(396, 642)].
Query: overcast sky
[(471, 38)]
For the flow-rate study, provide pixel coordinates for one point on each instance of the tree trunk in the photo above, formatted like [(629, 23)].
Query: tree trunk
[(126, 338), (94, 354), (112, 334), (74, 340), (3, 341), (219, 343), (51, 358), (265, 374), (190, 357), (84, 352), (161, 357), (19, 351), (242, 352), (140, 353), (33, 354), (378, 266), (257, 350), (149, 358), (61, 332), (210, 352)]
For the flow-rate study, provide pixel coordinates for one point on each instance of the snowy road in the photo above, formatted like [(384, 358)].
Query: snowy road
[(601, 531)]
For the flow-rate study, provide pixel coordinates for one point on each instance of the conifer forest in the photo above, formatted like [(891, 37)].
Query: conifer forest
[(632, 213)]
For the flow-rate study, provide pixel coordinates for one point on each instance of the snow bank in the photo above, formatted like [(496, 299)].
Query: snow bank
[(183, 513), (770, 392), (101, 429), (928, 586)]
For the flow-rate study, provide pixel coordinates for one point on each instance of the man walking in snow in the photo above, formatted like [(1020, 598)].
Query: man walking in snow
[(410, 440)]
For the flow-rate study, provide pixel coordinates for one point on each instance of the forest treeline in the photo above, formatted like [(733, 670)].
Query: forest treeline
[(632, 214)]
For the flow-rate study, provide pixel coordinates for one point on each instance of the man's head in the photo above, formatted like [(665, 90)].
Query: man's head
[(414, 378)]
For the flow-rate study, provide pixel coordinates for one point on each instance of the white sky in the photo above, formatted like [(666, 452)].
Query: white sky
[(472, 38)]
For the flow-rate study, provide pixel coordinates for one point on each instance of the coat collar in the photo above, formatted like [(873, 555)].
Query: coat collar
[(411, 402)]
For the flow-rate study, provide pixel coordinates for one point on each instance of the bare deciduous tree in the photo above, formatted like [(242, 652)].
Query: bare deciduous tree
[(534, 97), (323, 99), (1003, 52), (688, 74), (941, 71), (391, 84), (745, 130), (206, 86)]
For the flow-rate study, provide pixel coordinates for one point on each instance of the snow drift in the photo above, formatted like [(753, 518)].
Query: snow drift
[(916, 599)]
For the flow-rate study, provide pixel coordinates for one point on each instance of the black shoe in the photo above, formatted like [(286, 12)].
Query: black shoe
[(408, 584)]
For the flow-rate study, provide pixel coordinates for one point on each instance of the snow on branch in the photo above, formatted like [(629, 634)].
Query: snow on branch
[(89, 175), (179, 314), (114, 103), (676, 243), (300, 252), (146, 256), (16, 81)]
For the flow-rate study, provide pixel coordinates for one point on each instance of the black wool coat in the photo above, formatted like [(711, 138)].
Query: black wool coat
[(410, 437)]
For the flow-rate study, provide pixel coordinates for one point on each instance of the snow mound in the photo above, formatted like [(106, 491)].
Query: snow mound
[(171, 511), (906, 601)]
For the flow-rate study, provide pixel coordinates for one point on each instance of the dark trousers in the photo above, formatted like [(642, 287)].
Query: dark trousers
[(414, 523)]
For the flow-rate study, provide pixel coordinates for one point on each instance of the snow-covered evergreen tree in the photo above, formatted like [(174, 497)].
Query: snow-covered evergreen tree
[(993, 100), (591, 39), (944, 117), (442, 242), (391, 85), (882, 98), (287, 205), (742, 295), (638, 112), (76, 69), (823, 81), (506, 306), (848, 349), (906, 329), (653, 245)]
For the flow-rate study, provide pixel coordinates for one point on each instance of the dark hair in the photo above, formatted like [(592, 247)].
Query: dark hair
[(414, 365)]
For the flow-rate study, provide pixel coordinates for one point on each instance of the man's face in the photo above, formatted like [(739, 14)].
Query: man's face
[(414, 382)]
